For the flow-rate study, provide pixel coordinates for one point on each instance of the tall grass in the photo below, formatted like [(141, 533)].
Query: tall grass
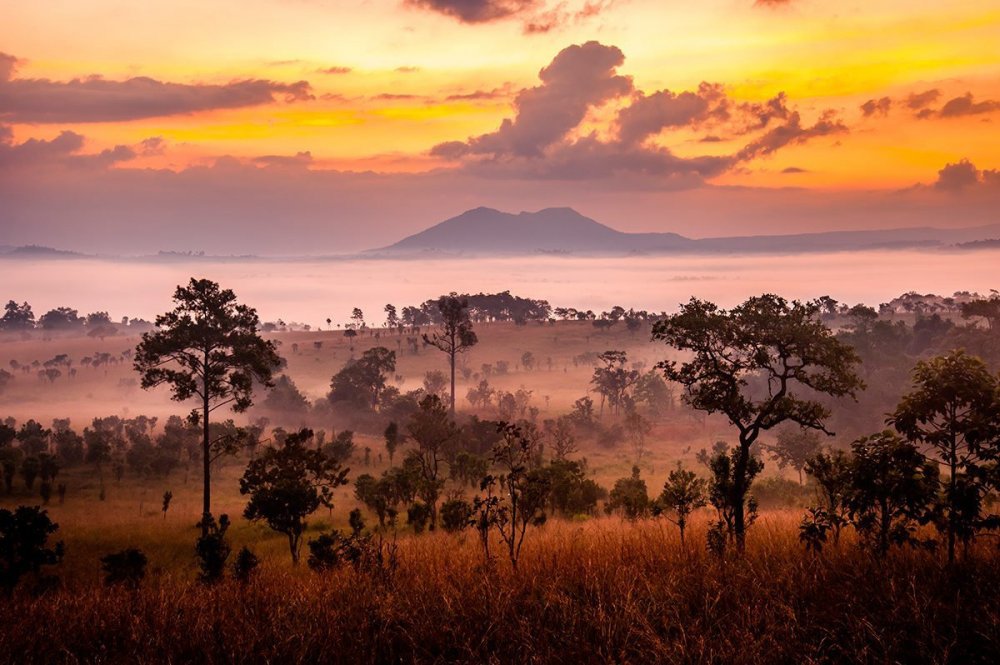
[(604, 591)]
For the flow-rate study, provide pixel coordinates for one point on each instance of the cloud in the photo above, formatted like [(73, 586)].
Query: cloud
[(791, 132), (335, 70), (921, 100), (966, 105), (299, 160), (578, 78), (963, 175), (876, 107), (95, 99), (405, 69), (63, 151), (477, 95), (791, 170), (475, 11), (542, 140), (648, 115)]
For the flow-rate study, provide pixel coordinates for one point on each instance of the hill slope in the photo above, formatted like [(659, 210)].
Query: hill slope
[(488, 231)]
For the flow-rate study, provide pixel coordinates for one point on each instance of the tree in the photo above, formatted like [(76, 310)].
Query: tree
[(286, 398), (613, 380), (435, 382), (893, 489), (455, 336), (24, 536), (289, 483), (392, 439), (682, 494), (832, 473), (127, 567), (60, 318), (794, 447), (363, 381), (207, 347), (434, 432), (951, 410), (521, 495), (629, 497), (750, 364), (729, 503), (391, 317), (17, 318)]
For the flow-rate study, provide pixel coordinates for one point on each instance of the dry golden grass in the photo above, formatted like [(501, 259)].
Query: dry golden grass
[(603, 591)]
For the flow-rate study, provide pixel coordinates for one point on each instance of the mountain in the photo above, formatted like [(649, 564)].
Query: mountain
[(564, 230)]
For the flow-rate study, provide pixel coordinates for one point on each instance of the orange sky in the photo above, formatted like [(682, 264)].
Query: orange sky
[(385, 81)]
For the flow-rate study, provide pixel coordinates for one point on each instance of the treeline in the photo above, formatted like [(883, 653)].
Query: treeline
[(20, 318)]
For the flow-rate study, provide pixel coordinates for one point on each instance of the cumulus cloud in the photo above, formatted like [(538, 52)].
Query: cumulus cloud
[(876, 107), (791, 132), (537, 17), (95, 99), (966, 105), (63, 151), (542, 138), (578, 78), (963, 175), (648, 115)]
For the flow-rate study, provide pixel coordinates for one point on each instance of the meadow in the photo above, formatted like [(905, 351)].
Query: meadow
[(593, 588)]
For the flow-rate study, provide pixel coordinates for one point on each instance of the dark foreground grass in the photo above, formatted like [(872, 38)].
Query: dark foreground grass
[(602, 592)]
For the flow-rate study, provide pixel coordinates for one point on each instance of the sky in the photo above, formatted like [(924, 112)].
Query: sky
[(315, 127)]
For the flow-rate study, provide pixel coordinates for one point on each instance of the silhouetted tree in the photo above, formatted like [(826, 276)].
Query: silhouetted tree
[(682, 494), (207, 347), (780, 347), (794, 447), (24, 537), (455, 336), (629, 497), (434, 432), (287, 484), (952, 409), (893, 489)]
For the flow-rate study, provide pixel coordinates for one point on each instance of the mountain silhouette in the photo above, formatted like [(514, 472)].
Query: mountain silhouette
[(564, 230)]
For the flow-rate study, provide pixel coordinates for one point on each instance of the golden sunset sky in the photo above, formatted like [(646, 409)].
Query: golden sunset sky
[(533, 102)]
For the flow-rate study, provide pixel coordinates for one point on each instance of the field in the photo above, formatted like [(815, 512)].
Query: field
[(600, 589)]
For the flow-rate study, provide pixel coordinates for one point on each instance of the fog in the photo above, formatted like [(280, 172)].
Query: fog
[(309, 291)]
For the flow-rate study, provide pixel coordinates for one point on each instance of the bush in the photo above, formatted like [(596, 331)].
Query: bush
[(455, 515), (212, 550), (245, 566), (24, 536), (127, 567)]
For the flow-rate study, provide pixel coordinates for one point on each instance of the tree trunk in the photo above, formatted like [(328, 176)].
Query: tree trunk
[(739, 495), (206, 460), (452, 358)]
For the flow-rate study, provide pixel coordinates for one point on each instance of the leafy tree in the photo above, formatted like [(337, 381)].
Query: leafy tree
[(729, 503), (433, 431), (561, 435), (893, 489), (571, 492), (24, 537), (455, 336), (682, 494), (34, 438), (455, 515), (952, 411), (68, 445), (516, 498), (60, 318), (363, 381), (288, 484), (208, 348), (212, 549), (392, 439), (629, 497), (832, 473), (614, 380), (391, 317), (286, 398), (17, 318), (987, 309), (435, 382), (794, 447), (778, 347), (245, 566)]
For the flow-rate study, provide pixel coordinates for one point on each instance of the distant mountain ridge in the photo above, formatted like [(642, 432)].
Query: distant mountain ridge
[(564, 230)]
